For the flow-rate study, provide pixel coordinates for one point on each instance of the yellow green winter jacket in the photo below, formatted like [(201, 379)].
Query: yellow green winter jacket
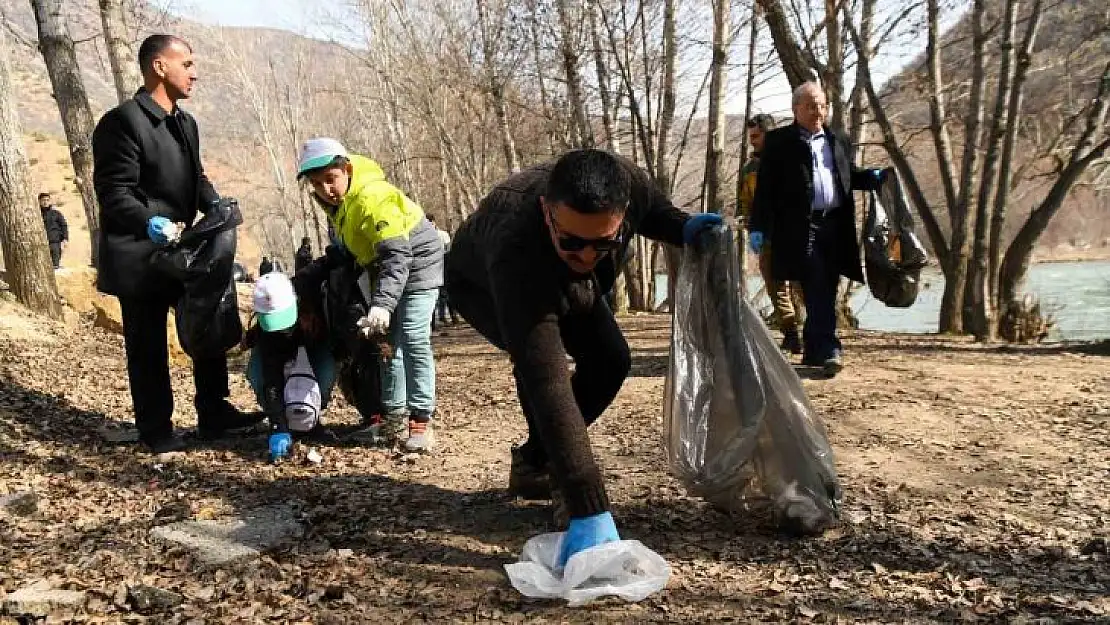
[(388, 234)]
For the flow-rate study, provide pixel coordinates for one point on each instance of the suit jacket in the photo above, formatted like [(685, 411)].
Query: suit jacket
[(784, 197), (146, 162)]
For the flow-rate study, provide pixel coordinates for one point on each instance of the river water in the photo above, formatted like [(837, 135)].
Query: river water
[(1077, 294)]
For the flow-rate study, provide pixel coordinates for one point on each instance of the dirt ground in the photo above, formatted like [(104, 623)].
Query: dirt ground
[(975, 478)]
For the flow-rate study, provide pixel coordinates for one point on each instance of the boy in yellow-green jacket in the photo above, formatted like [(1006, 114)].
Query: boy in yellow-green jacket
[(393, 241)]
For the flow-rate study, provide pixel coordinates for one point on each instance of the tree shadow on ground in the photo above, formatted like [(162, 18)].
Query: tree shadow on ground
[(413, 529)]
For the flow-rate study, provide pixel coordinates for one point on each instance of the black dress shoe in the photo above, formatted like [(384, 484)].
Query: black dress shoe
[(227, 420), (833, 365), (165, 444)]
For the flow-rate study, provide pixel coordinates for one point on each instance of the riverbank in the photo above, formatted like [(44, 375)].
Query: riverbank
[(974, 477)]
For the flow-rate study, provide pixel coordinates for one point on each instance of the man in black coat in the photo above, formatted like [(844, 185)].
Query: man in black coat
[(57, 230), (150, 183), (803, 204)]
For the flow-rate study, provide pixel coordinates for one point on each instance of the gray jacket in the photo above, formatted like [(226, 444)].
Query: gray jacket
[(405, 265)]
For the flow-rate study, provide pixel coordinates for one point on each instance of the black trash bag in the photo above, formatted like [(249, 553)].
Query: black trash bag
[(203, 260), (893, 255), (359, 361), (739, 430)]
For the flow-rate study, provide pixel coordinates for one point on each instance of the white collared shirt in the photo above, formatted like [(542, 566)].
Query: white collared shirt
[(824, 171)]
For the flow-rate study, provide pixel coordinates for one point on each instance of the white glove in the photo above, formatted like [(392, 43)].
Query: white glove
[(376, 322)]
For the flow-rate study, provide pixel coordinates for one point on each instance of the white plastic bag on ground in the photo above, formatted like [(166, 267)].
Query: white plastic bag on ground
[(626, 569)]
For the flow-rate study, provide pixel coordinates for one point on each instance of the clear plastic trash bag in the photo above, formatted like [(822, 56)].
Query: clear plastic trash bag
[(893, 255), (738, 428), (626, 569)]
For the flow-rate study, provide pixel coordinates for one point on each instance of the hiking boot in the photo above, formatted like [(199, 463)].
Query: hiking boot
[(527, 480), (791, 342), (832, 365), (165, 444), (421, 436)]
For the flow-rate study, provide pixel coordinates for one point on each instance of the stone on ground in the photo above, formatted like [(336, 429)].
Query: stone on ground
[(40, 600), (19, 504), (232, 541), (149, 599)]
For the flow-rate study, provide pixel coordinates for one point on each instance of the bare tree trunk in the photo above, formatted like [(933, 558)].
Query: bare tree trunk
[(569, 46), (28, 270), (602, 70), (77, 120), (749, 84), (495, 85), (715, 146), (859, 98), (951, 320), (1092, 145), (794, 60), (667, 96), (983, 318), (1013, 121), (125, 71), (549, 122), (834, 69)]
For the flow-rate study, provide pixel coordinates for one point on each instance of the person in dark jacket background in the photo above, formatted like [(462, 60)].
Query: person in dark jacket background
[(803, 206), (303, 256), (529, 271), (150, 183), (57, 230)]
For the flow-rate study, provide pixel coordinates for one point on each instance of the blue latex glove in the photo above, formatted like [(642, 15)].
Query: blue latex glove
[(280, 444), (697, 224), (877, 174), (156, 229), (587, 532), (755, 241)]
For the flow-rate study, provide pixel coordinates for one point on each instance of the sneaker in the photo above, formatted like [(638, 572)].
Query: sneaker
[(392, 428), (791, 342), (833, 365), (526, 480), (421, 436), (165, 445)]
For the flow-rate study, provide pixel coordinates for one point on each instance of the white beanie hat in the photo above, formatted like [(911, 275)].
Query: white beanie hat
[(275, 302)]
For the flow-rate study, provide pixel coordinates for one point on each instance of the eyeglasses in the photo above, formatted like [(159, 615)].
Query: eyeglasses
[(575, 243)]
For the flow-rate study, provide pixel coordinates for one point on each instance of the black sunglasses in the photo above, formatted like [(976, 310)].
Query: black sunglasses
[(574, 243)]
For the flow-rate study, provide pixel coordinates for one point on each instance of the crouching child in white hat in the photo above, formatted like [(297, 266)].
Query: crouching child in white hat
[(291, 367)]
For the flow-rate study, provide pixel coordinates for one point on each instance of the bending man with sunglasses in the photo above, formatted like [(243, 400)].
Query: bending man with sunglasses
[(529, 271)]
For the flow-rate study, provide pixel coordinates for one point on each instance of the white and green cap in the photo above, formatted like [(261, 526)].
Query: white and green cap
[(275, 302), (319, 152)]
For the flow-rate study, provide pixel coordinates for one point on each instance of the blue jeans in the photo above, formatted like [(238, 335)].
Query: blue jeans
[(819, 291), (409, 379), (323, 365)]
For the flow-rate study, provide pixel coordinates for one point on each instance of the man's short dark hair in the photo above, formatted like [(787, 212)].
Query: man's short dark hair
[(763, 121), (154, 45), (431, 218), (43, 194), (589, 181)]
